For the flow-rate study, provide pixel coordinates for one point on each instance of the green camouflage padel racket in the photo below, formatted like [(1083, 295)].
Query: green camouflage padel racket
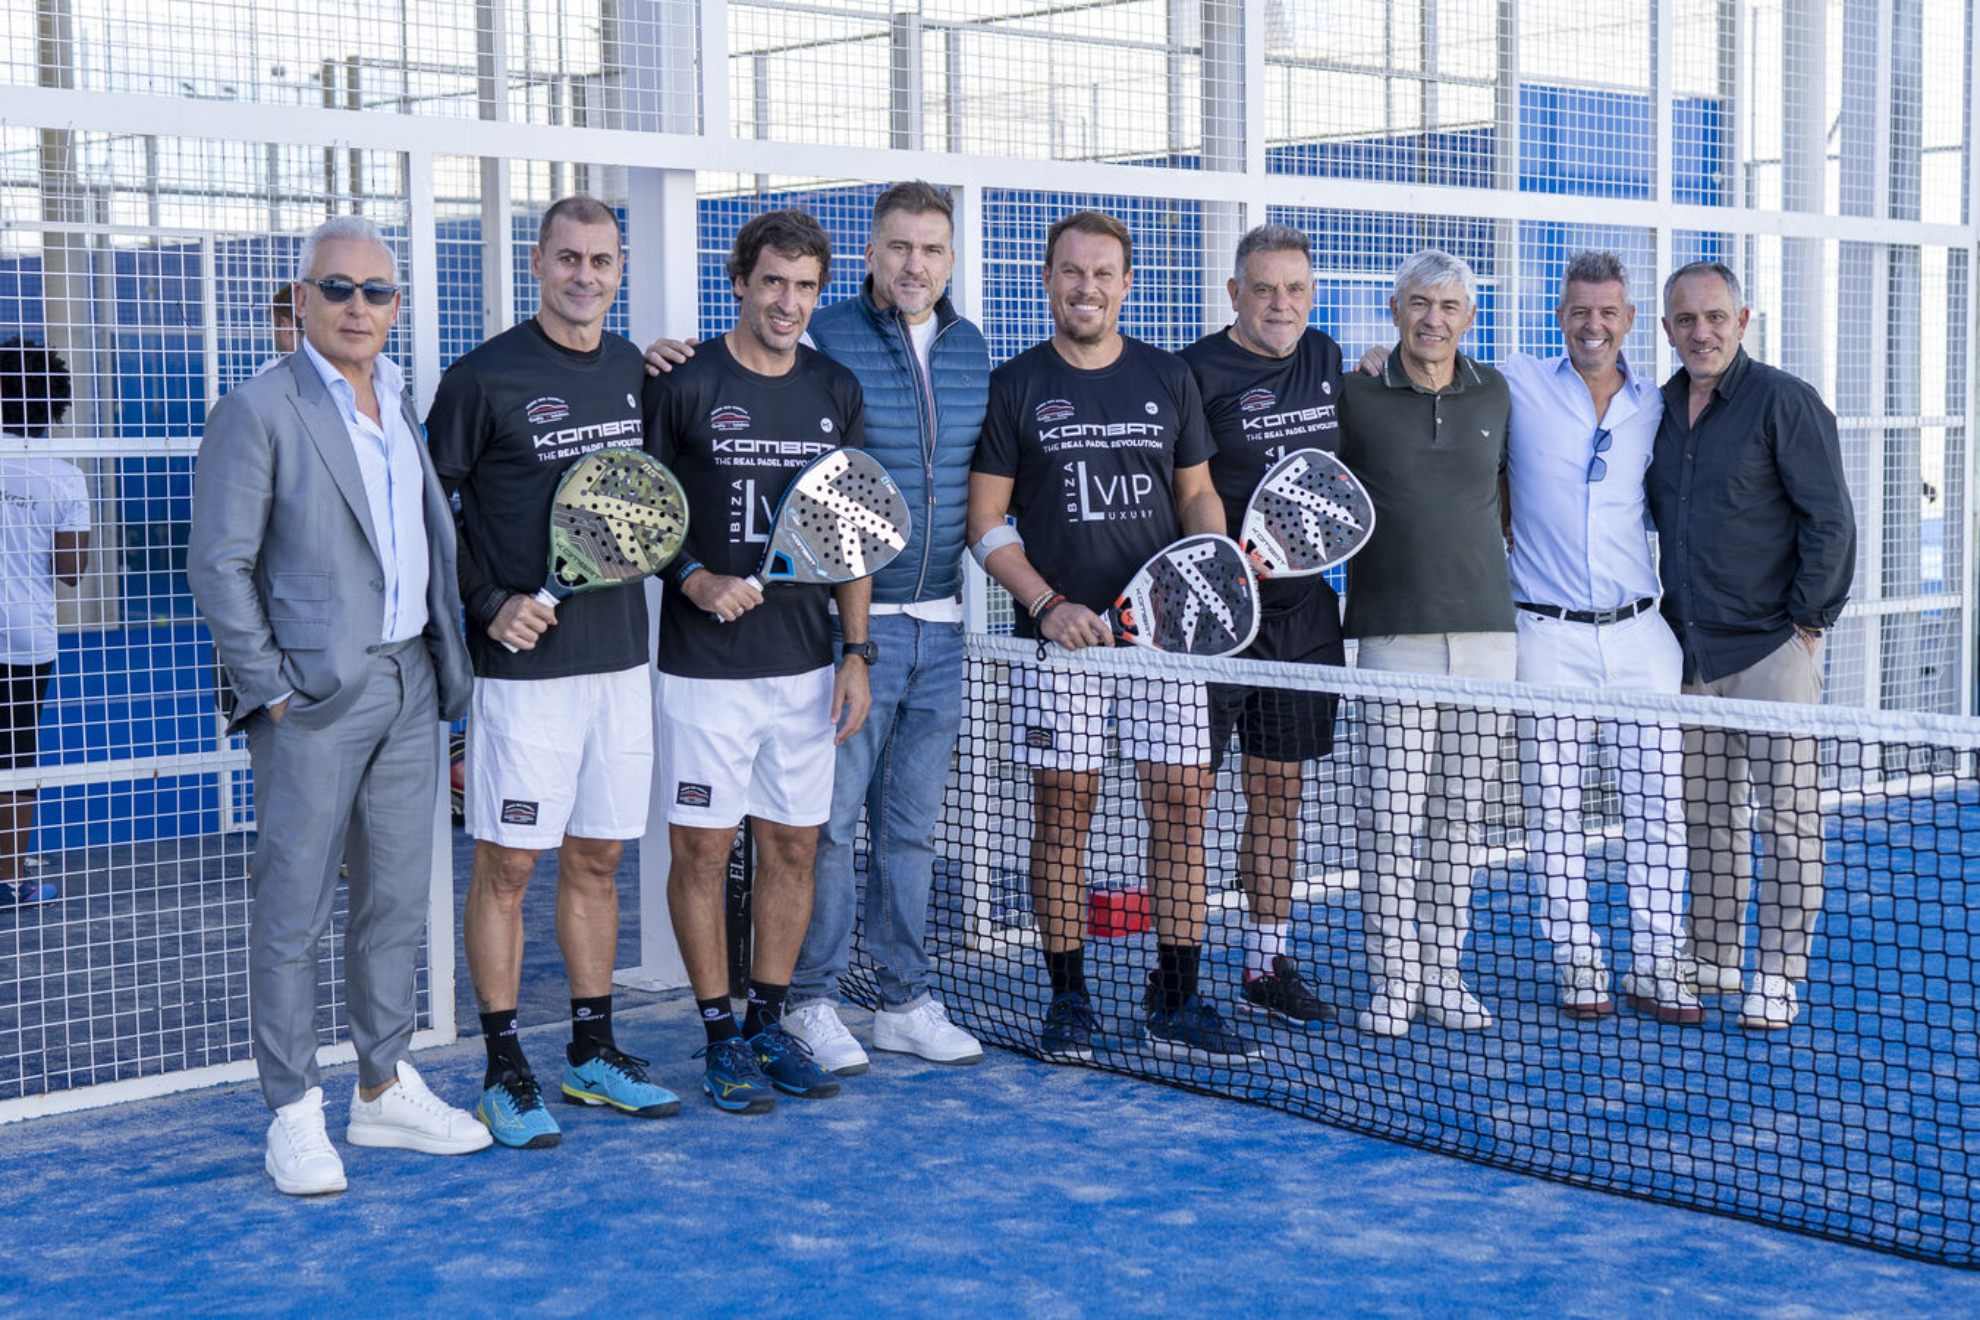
[(618, 516)]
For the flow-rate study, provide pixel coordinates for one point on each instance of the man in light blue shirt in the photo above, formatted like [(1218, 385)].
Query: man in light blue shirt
[(1585, 590)]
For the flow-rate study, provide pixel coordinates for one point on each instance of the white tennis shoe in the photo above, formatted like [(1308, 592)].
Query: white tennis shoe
[(410, 1117), (1772, 1006), (300, 1157), (832, 1046), (925, 1032), (1396, 1003), (1449, 1003)]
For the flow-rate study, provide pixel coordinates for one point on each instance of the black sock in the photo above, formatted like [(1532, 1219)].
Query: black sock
[(498, 1033), (591, 1028), (1175, 973), (1067, 970), (766, 1005), (718, 1019)]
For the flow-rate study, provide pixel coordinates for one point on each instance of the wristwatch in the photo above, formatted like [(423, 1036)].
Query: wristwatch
[(867, 651)]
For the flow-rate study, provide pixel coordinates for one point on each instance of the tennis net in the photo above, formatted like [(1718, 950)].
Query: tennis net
[(1491, 886)]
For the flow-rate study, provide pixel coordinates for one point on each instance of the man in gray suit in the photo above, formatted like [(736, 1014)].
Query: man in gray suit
[(322, 555)]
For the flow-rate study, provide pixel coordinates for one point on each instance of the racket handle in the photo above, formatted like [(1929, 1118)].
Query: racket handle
[(543, 597), (753, 581)]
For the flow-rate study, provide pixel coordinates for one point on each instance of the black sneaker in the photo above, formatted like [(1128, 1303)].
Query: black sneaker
[(1195, 1033), (1284, 996), (1068, 1033)]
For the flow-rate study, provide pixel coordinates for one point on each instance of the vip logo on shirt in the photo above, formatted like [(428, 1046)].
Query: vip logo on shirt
[(728, 417), (516, 812), (631, 402), (1150, 408), (825, 425), (1326, 387), (1054, 410), (548, 409), (1256, 400), (693, 795), (1107, 497)]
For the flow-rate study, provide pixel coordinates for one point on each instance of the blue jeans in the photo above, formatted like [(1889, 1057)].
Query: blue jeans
[(897, 766)]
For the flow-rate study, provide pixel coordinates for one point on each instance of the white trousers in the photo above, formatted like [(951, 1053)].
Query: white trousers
[(1638, 654)]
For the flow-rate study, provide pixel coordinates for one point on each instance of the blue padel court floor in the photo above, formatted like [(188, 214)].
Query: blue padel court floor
[(1008, 1188)]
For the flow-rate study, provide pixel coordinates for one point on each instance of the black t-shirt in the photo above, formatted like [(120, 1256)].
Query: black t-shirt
[(1260, 409), (736, 440), (508, 419), (1093, 455)]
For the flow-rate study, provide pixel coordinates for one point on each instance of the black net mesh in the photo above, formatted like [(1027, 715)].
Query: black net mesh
[(1712, 953)]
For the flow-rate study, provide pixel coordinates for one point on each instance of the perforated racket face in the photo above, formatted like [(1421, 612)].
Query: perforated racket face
[(842, 519), (1198, 597), (1308, 514), (618, 516)]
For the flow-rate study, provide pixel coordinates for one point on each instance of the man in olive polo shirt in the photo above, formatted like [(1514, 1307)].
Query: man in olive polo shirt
[(1430, 595)]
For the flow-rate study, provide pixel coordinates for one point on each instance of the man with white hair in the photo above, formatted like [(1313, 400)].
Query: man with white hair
[(1429, 595), (322, 556)]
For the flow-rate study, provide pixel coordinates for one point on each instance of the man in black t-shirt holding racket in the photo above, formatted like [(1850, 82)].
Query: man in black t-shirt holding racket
[(1096, 443)]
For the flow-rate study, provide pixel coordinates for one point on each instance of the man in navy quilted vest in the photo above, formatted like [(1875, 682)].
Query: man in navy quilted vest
[(925, 371)]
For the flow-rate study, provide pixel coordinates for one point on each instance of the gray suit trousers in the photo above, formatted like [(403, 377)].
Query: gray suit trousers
[(359, 789)]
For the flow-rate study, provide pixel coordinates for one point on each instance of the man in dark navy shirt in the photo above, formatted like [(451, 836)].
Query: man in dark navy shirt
[(1270, 383), (748, 696), (1096, 443), (1758, 545)]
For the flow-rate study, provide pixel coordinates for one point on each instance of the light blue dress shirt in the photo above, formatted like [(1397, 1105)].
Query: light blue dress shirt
[(394, 487), (1578, 544)]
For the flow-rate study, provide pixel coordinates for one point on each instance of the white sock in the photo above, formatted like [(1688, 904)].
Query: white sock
[(1262, 942)]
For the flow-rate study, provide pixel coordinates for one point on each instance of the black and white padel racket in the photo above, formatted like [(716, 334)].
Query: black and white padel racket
[(1307, 515), (841, 519), (618, 516), (1197, 597)]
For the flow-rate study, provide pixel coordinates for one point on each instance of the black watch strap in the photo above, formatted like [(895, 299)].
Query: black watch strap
[(867, 651)]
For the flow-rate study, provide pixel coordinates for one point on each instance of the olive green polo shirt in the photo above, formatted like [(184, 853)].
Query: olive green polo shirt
[(1431, 462)]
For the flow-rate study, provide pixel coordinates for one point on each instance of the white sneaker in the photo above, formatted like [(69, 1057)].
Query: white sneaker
[(1709, 978), (926, 1032), (1773, 1005), (1448, 1003), (1394, 1006), (301, 1159), (1664, 993), (832, 1046), (410, 1117), (1585, 986)]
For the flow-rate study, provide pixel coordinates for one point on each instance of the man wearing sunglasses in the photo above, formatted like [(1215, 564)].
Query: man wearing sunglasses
[(322, 556)]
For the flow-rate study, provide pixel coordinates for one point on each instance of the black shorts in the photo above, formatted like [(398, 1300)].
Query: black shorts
[(26, 685), (1280, 724)]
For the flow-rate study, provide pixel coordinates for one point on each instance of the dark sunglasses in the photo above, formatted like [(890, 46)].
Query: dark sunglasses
[(337, 289), (1598, 467)]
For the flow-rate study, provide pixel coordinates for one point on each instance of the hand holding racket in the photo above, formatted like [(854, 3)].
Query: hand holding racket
[(1308, 514), (841, 519), (618, 516), (1197, 597)]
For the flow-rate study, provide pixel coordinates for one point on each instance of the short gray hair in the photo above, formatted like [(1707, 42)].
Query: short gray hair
[(1433, 267), (1273, 237), (337, 227), (1719, 268), (1593, 267)]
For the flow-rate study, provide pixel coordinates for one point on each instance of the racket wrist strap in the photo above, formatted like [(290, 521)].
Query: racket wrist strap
[(1045, 604), (682, 572)]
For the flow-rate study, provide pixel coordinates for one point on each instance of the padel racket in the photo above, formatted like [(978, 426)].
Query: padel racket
[(841, 519), (618, 516), (1197, 597), (1307, 515)]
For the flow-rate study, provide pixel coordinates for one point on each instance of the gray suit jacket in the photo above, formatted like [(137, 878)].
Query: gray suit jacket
[(284, 561)]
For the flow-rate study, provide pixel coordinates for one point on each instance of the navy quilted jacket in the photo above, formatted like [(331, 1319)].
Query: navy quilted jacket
[(921, 426)]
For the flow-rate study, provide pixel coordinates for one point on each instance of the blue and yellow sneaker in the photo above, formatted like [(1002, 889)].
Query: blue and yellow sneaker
[(787, 1062), (733, 1080), (618, 1080), (1068, 1033), (512, 1109)]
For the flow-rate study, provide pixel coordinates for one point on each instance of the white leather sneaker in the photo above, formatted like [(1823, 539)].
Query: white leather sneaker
[(1772, 1006), (1394, 1007), (1663, 993), (410, 1117), (1585, 986), (1448, 1003), (832, 1046), (300, 1158), (925, 1032), (1709, 978)]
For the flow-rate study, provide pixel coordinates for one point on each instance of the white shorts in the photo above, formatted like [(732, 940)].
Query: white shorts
[(736, 747), (548, 757), (1059, 718)]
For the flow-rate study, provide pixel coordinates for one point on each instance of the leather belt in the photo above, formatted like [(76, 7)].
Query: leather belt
[(1596, 617)]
